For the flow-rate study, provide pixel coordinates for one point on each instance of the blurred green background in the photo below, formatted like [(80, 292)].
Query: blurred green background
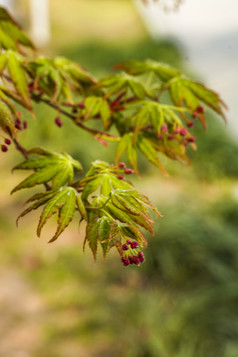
[(183, 301)]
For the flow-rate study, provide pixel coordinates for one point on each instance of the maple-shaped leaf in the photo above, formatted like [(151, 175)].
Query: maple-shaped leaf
[(64, 202), (11, 35), (116, 210), (147, 149), (192, 94), (135, 205), (49, 166), (163, 71), (12, 63), (97, 106), (150, 113), (182, 89), (123, 82), (173, 149), (58, 77), (73, 72)]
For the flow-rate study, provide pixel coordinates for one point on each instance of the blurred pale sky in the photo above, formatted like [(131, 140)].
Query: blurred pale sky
[(206, 18)]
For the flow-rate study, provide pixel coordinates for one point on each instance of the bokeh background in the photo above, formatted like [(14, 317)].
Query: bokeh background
[(183, 301)]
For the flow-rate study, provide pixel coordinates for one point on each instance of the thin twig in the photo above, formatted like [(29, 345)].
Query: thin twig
[(94, 132)]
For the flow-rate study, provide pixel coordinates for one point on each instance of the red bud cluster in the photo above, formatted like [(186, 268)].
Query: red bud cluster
[(131, 254)]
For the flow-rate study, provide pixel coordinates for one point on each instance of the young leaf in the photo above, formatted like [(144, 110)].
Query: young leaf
[(50, 166), (18, 76), (65, 201), (123, 82), (191, 93), (150, 153), (92, 235), (162, 70), (66, 212), (10, 33), (7, 118)]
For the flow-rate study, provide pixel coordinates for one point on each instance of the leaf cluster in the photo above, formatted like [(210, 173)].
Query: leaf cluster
[(112, 208), (130, 110)]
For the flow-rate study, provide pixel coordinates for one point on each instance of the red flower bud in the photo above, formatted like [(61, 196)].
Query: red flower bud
[(170, 137), (125, 247), (122, 165), (18, 121), (4, 148), (81, 105), (134, 245), (176, 131), (191, 139), (136, 260), (128, 171), (195, 115), (128, 241), (25, 124), (120, 177), (164, 128), (190, 124), (159, 136), (131, 259), (183, 131), (58, 122), (125, 261), (200, 109), (7, 141)]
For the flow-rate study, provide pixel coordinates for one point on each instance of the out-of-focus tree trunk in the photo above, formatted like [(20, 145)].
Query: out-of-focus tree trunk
[(8, 4), (40, 22)]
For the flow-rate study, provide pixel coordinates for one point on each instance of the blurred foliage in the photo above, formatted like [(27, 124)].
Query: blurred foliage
[(182, 302), (217, 152)]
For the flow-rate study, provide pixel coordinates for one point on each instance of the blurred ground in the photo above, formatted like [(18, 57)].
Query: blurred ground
[(183, 302)]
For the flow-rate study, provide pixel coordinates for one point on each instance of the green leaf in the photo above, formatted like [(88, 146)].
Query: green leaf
[(105, 113), (104, 232), (123, 82), (66, 212), (90, 187), (80, 206), (131, 219), (132, 154), (50, 166), (106, 185), (59, 77), (7, 118), (162, 70), (92, 235), (63, 201), (40, 198), (147, 149), (192, 93), (122, 146), (18, 76), (37, 178), (10, 33)]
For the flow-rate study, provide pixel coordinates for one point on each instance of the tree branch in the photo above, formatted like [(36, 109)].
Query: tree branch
[(94, 132)]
